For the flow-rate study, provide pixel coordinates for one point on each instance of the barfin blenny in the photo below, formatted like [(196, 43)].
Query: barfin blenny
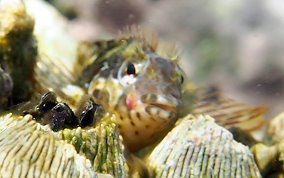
[(130, 76)]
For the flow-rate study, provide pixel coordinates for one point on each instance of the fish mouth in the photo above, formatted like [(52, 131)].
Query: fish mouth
[(165, 103), (166, 107)]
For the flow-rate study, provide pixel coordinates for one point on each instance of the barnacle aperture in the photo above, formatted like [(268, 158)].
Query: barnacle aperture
[(59, 115)]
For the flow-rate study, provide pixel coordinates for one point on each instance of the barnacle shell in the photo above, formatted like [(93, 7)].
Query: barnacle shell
[(101, 144), (28, 151), (18, 49), (270, 158), (28, 148), (275, 129), (197, 147)]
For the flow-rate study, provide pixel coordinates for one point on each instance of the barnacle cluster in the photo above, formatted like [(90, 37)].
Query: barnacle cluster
[(27, 150), (54, 137)]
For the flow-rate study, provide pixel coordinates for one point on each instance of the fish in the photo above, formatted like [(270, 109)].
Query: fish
[(142, 87), (129, 76), (132, 77)]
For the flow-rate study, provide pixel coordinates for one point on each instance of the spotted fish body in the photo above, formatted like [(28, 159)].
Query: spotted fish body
[(129, 78), (132, 78)]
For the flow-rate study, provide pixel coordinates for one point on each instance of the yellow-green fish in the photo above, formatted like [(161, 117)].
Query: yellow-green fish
[(142, 87), (132, 78), (141, 83)]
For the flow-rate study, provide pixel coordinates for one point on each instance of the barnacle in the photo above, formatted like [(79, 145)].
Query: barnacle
[(102, 145), (275, 130), (48, 143), (28, 150), (18, 49), (98, 141), (197, 147), (269, 155), (37, 150)]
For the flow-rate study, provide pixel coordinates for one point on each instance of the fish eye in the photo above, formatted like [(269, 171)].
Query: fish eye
[(131, 69)]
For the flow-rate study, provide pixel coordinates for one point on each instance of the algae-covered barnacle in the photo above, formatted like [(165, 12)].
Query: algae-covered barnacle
[(27, 150)]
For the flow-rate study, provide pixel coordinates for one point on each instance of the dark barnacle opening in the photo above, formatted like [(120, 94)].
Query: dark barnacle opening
[(88, 111), (86, 117), (59, 115), (46, 103)]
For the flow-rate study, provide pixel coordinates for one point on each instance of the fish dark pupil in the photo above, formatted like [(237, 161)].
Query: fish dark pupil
[(130, 69)]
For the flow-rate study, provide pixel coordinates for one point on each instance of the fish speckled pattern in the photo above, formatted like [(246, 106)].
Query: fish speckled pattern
[(131, 79)]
